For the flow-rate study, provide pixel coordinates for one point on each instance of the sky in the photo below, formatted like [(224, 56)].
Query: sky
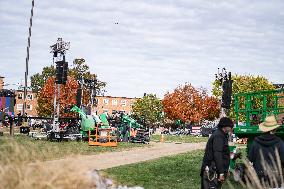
[(156, 46)]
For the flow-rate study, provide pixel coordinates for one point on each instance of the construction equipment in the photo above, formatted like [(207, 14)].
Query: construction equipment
[(103, 134), (87, 121), (133, 131), (96, 129), (251, 109), (102, 137)]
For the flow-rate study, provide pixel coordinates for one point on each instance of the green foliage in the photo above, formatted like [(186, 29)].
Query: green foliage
[(44, 107), (38, 79), (45, 90), (179, 171), (217, 89), (149, 108), (244, 84), (79, 68)]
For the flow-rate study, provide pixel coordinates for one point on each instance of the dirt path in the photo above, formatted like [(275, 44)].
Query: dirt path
[(114, 159)]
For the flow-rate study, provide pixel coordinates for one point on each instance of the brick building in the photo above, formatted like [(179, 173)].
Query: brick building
[(104, 103), (31, 102), (1, 82), (109, 104)]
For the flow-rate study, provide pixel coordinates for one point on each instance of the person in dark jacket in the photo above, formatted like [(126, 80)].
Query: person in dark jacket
[(263, 151), (216, 160)]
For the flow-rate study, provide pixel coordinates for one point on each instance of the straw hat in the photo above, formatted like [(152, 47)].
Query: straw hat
[(269, 124)]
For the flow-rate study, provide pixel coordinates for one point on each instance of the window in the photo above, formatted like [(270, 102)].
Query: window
[(19, 107), (30, 97), (105, 101), (123, 102), (20, 96), (29, 107), (114, 102)]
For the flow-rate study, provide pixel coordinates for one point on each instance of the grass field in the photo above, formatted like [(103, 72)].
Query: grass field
[(174, 172), (181, 138), (46, 150)]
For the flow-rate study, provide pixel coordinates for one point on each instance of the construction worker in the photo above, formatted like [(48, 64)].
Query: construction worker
[(216, 160), (263, 155)]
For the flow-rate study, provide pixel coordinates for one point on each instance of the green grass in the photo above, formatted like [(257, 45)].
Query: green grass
[(181, 138), (173, 172), (46, 150)]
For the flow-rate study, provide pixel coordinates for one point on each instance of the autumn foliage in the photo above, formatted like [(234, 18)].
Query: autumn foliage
[(190, 104), (68, 94)]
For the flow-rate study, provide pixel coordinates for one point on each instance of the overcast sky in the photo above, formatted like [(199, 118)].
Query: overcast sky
[(156, 45)]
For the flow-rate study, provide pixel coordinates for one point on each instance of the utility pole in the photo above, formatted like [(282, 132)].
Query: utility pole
[(28, 58)]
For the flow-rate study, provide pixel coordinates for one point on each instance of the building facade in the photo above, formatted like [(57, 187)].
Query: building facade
[(31, 103), (107, 104), (1, 82), (110, 104)]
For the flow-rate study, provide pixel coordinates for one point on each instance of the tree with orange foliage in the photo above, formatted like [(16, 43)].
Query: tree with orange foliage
[(44, 85), (190, 104), (68, 94)]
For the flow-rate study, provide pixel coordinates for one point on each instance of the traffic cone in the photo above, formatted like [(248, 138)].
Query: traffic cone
[(162, 139)]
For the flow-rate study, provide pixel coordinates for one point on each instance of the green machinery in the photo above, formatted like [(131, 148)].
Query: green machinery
[(128, 123), (131, 122), (131, 130), (251, 109), (89, 122)]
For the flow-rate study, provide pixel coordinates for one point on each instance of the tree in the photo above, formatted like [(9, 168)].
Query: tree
[(148, 108), (38, 79), (46, 96), (44, 85), (244, 84), (80, 70), (190, 104), (67, 97)]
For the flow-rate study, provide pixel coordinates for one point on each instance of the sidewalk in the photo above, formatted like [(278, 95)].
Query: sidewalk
[(114, 159)]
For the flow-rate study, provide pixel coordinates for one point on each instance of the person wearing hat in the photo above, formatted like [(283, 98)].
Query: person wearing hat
[(216, 160), (264, 147)]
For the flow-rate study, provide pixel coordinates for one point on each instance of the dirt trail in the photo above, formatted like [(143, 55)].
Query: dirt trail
[(114, 159)]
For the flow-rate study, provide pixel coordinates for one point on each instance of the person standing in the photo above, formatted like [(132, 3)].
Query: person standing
[(11, 121), (2, 114), (263, 151), (216, 160), (19, 122)]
